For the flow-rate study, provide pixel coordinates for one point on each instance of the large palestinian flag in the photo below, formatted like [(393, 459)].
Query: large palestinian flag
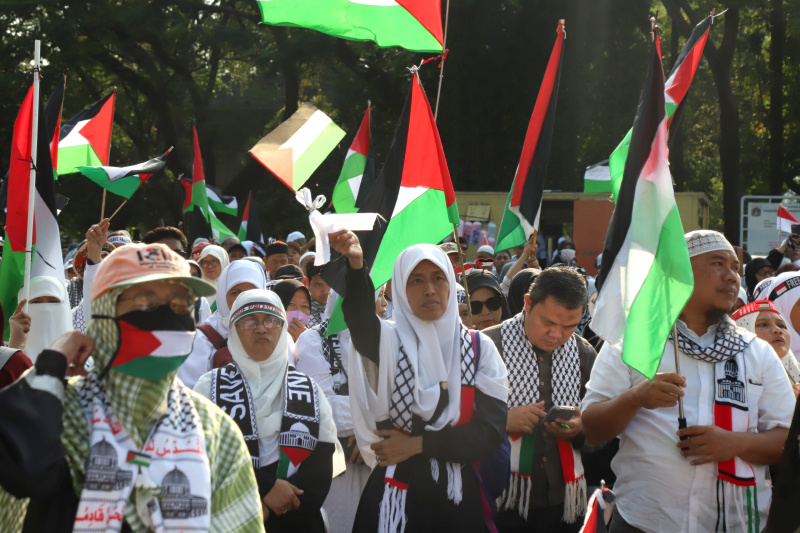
[(677, 85), (646, 276), (524, 202), (358, 171), (124, 181), (85, 139), (46, 242), (294, 150), (412, 24), (413, 192)]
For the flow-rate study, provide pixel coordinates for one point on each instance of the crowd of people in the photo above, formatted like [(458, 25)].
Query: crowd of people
[(165, 387)]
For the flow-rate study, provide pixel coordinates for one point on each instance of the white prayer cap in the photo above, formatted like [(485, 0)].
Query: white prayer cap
[(705, 240), (486, 248), (295, 236)]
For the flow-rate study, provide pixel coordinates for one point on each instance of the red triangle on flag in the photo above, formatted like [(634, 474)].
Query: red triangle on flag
[(428, 13), (296, 455), (134, 343), (98, 130)]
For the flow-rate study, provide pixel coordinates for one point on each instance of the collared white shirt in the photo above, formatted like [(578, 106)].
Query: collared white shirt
[(657, 489)]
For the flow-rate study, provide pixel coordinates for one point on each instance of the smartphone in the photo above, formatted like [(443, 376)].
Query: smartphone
[(563, 412), (796, 229)]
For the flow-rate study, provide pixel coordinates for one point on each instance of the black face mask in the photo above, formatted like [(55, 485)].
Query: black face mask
[(151, 343)]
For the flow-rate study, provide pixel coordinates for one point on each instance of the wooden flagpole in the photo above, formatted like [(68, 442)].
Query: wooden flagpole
[(126, 199)]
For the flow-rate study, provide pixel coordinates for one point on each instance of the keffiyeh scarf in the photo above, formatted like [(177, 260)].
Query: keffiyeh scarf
[(736, 481), (523, 377)]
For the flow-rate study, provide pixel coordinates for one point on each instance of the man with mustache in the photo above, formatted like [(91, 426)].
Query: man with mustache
[(737, 404)]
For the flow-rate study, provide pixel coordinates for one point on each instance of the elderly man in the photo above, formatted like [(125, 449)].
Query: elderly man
[(737, 402), (548, 365), (126, 447)]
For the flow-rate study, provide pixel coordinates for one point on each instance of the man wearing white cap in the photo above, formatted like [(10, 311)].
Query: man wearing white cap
[(738, 405), (297, 237)]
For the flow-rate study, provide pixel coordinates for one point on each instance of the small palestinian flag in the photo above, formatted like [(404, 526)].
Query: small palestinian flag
[(412, 24), (125, 180), (524, 203), (218, 201), (85, 139), (358, 172), (294, 150), (250, 230)]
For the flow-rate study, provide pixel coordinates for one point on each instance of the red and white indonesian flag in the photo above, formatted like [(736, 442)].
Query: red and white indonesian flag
[(785, 220)]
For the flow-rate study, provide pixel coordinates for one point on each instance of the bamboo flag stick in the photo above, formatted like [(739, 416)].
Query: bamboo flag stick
[(37, 49)]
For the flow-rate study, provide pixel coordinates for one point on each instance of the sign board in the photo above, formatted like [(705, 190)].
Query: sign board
[(759, 223)]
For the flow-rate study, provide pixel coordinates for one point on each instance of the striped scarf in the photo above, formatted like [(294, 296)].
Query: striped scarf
[(523, 377)]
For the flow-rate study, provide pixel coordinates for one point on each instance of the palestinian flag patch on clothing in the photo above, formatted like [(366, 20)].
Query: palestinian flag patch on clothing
[(300, 426)]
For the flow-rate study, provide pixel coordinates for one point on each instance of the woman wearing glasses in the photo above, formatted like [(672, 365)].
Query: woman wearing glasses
[(486, 299), (285, 419), (213, 260)]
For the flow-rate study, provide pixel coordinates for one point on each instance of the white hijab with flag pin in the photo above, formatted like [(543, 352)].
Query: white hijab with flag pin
[(322, 225)]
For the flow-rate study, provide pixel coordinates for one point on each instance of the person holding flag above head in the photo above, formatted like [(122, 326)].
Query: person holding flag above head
[(428, 397), (738, 402)]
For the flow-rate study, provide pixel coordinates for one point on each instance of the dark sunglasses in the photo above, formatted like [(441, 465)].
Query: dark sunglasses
[(494, 303)]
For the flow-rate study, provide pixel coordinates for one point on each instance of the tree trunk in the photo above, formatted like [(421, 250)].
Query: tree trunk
[(777, 51)]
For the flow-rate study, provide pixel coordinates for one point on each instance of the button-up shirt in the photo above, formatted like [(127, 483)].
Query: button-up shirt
[(657, 489)]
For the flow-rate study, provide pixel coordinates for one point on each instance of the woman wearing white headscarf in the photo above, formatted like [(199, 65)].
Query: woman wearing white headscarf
[(763, 318), (49, 311), (213, 260), (236, 278), (285, 419), (784, 291), (424, 406)]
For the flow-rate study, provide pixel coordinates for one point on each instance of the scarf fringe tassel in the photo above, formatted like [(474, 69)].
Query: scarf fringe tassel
[(392, 518), (575, 497), (517, 495)]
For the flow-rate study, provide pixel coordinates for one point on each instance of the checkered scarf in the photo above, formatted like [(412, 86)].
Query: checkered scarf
[(523, 377), (728, 342)]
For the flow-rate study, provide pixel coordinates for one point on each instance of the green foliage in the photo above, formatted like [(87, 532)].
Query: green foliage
[(208, 62)]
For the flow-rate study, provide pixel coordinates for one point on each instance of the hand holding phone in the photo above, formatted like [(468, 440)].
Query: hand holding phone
[(563, 412)]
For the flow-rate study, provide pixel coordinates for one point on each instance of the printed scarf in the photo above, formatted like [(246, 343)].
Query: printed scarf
[(332, 353), (300, 424), (392, 517), (523, 377), (317, 314), (170, 473), (735, 477)]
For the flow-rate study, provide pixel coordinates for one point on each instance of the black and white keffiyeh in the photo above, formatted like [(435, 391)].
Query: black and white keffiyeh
[(728, 342)]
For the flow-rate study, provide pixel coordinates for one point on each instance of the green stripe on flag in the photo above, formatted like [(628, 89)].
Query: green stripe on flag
[(669, 281), (283, 466), (385, 25), (343, 198), (150, 367), (597, 186), (123, 186), (12, 275), (313, 156), (72, 157), (526, 451), (511, 233)]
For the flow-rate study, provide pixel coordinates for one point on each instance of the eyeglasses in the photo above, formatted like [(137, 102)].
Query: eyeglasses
[(181, 253), (494, 303), (209, 263), (253, 323), (150, 301)]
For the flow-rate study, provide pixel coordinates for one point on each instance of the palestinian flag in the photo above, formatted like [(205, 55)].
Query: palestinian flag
[(524, 203), (597, 178), (52, 113), (294, 150), (221, 203), (85, 140), (646, 276), (46, 242), (125, 180), (250, 230), (149, 354), (680, 79), (205, 221), (358, 172), (412, 24), (601, 504), (413, 192)]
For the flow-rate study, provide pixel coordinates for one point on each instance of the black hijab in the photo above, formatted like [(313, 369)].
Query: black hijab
[(750, 271), (286, 288), (519, 287)]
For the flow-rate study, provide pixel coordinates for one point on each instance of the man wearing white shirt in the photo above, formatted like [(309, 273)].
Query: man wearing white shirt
[(738, 405)]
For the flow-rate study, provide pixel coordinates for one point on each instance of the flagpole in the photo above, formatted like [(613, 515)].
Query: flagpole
[(37, 49), (681, 417), (126, 199), (444, 56)]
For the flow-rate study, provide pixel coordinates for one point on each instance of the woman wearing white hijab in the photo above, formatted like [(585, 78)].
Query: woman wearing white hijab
[(424, 406), (292, 442), (213, 260), (50, 314), (763, 318), (237, 277), (784, 291)]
